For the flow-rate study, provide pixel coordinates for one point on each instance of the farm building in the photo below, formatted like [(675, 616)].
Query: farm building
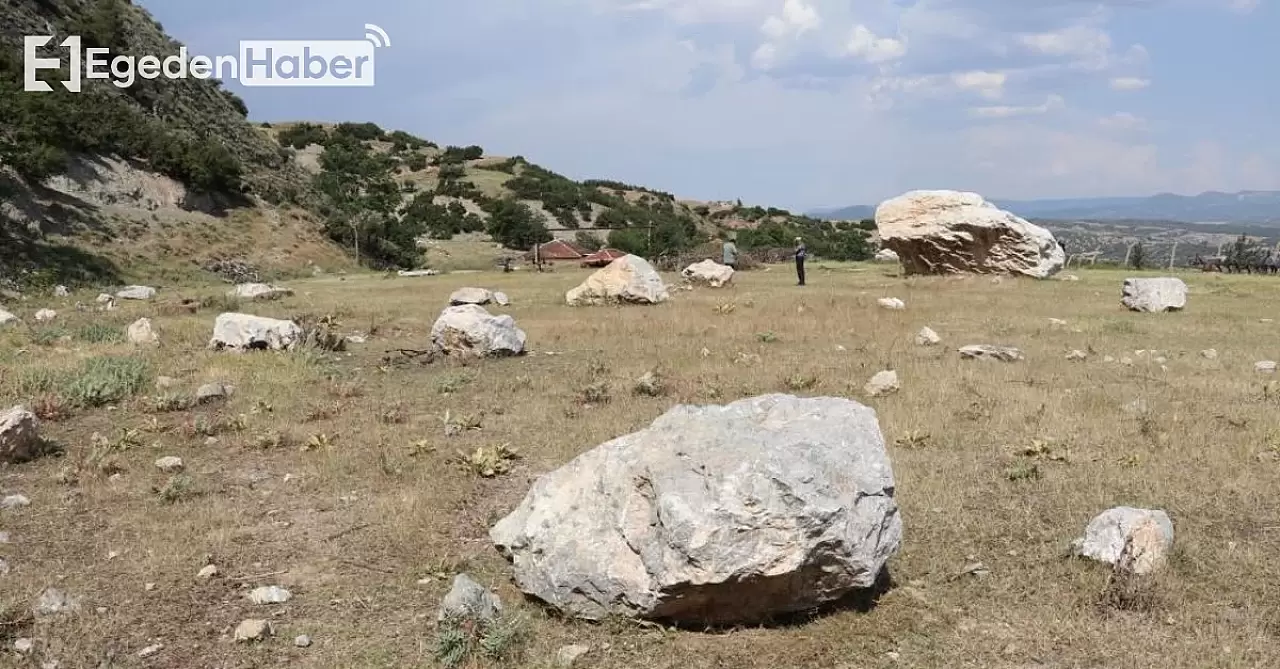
[(557, 249), (602, 257)]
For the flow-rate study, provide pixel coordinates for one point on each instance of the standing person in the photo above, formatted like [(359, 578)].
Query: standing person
[(801, 253), (730, 253)]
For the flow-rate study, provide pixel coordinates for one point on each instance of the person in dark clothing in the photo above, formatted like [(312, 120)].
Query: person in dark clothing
[(801, 253)]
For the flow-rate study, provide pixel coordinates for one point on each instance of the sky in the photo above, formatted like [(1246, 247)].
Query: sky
[(806, 104)]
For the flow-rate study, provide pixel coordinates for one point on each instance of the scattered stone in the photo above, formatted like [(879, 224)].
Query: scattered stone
[(52, 602), (45, 315), (950, 232), (136, 293), (470, 330), (988, 352), (269, 594), (140, 332), (883, 383), (1068, 277), (627, 280), (253, 630), (478, 296), (1209, 354), (887, 255), (243, 332), (586, 540), (104, 298), (356, 339), (501, 299), (567, 656), (7, 318), (1107, 535), (207, 572), (4, 567), (1265, 367), (211, 392), (1076, 355), (892, 303), (468, 600), (169, 464), (927, 337), (149, 587), (24, 646), (1057, 323), (151, 650), (259, 291), (13, 502), (1154, 294), (19, 435), (1126, 361), (708, 273), (302, 641), (61, 291), (650, 384)]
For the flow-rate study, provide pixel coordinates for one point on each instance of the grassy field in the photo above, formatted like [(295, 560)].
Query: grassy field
[(337, 476)]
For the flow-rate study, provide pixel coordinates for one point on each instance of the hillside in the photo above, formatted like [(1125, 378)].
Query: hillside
[(1244, 207), (168, 179)]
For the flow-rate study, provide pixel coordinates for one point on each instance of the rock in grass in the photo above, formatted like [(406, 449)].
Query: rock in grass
[(989, 352), (1154, 294), (244, 332), (468, 600), (713, 515), (469, 330), (19, 435), (1147, 532)]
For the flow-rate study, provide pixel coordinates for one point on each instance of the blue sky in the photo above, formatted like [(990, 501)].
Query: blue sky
[(807, 103)]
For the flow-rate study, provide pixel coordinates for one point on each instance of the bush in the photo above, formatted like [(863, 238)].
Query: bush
[(103, 380), (360, 131), (98, 333), (303, 135)]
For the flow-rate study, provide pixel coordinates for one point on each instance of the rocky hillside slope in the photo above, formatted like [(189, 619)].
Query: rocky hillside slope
[(169, 178)]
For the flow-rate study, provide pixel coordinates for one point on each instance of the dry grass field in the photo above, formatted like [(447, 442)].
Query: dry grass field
[(338, 475)]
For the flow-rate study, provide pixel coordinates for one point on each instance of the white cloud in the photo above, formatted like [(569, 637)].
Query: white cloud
[(1052, 103), (1244, 6), (1129, 83), (988, 84), (764, 57), (868, 46), (1123, 121), (1077, 40)]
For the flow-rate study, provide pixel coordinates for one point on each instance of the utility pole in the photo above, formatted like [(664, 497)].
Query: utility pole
[(1128, 253), (355, 236), (1173, 254)]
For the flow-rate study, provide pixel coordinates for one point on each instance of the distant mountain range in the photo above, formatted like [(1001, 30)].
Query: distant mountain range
[(1254, 207)]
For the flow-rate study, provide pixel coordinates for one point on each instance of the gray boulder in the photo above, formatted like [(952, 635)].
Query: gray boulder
[(468, 329), (470, 296), (1154, 294), (989, 352), (259, 291), (6, 318), (242, 332), (468, 600), (1147, 534), (19, 435), (713, 515), (136, 293)]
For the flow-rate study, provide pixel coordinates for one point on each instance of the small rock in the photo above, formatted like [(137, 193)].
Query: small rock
[(1057, 323), (927, 337), (24, 645), (883, 383), (891, 303), (207, 572), (479, 296), (6, 318), (1138, 538), (253, 630), (141, 333), (61, 291), (567, 656), (45, 315), (270, 594), (1068, 277), (151, 650), (149, 587), (169, 464), (1209, 354), (4, 538), (988, 352), (1126, 361), (4, 567), (50, 664), (211, 441), (501, 299), (1108, 358), (1077, 355), (52, 602), (1265, 367), (104, 298), (210, 392), (302, 641), (356, 339), (136, 293), (468, 600), (14, 502)]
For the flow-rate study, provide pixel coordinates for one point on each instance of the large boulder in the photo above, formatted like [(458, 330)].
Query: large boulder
[(629, 279), (136, 293), (708, 272), (259, 291), (470, 296), (242, 332), (886, 255), (19, 435), (949, 232), (468, 329), (1154, 294), (713, 515)]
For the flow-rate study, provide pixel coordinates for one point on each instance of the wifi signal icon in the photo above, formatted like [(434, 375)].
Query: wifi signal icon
[(377, 36)]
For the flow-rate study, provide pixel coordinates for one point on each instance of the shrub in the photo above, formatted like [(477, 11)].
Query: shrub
[(106, 379), (99, 333)]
